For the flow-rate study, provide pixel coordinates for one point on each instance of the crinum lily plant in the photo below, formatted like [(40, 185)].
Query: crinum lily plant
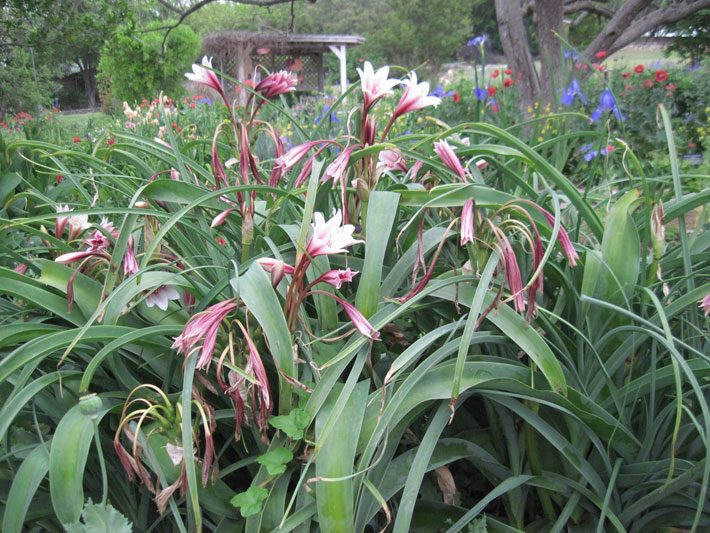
[(263, 342)]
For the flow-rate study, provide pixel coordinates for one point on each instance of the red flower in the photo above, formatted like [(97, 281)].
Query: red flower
[(76, 139), (601, 54), (492, 91), (638, 69), (648, 83), (507, 82), (174, 125), (661, 76), (58, 179), (111, 141), (508, 71), (495, 73), (671, 87), (456, 97), (625, 75), (609, 148), (192, 105), (221, 241), (629, 87)]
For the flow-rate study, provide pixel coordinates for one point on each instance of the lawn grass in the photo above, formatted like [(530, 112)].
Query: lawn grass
[(81, 121)]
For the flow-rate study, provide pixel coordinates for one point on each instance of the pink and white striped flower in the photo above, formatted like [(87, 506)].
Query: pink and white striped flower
[(336, 278), (130, 265), (203, 74), (61, 223), (73, 257), (449, 158), (203, 327), (389, 160), (562, 238), (467, 222), (278, 269), (704, 304), (375, 85), (77, 225), (356, 317), (330, 237), (291, 158), (276, 83), (339, 166), (161, 296), (415, 96)]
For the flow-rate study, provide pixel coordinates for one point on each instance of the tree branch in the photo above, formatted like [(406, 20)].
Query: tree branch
[(202, 3), (588, 6), (658, 18)]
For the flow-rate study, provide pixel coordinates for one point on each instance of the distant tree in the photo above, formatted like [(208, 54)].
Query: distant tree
[(62, 34), (691, 36), (22, 86), (137, 65)]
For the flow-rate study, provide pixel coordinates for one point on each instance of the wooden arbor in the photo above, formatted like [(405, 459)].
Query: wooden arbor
[(242, 54)]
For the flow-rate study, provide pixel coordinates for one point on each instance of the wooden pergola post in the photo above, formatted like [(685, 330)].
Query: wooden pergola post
[(341, 53)]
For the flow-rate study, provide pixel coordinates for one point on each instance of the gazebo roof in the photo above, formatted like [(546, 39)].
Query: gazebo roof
[(278, 43)]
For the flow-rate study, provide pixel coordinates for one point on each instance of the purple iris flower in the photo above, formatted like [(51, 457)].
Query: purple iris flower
[(590, 155), (607, 103), (333, 117), (571, 53), (480, 94), (569, 94), (440, 93), (478, 40)]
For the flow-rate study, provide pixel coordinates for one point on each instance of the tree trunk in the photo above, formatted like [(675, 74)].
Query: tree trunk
[(549, 14), (517, 50), (89, 77)]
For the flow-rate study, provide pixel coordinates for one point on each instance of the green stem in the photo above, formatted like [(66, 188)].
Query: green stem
[(102, 464)]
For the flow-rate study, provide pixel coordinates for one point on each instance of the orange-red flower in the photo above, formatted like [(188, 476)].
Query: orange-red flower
[(507, 82), (638, 69), (661, 76)]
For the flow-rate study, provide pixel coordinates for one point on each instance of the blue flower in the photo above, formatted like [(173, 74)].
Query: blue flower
[(206, 101), (480, 94), (333, 117), (574, 90), (607, 103), (571, 53), (590, 155), (439, 92), (479, 40)]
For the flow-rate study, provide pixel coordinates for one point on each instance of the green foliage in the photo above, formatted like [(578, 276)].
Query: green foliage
[(292, 424), (589, 414), (251, 501), (276, 460), (135, 64), (22, 86), (98, 518)]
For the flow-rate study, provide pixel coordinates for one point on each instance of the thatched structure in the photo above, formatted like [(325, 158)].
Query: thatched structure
[(241, 55)]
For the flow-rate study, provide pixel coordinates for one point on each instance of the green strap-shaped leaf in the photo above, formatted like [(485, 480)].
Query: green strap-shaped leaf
[(335, 460), (381, 213), (261, 300), (27, 479), (67, 459)]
